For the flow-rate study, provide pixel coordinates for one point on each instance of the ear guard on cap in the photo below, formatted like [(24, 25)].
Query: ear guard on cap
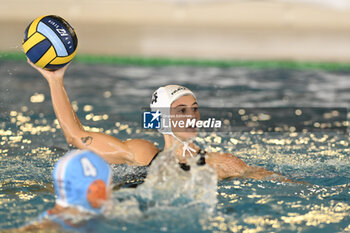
[(97, 193)]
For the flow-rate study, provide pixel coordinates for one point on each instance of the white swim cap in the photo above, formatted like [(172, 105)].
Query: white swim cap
[(162, 99)]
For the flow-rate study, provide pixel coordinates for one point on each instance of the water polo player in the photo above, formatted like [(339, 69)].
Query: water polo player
[(138, 151), (82, 182)]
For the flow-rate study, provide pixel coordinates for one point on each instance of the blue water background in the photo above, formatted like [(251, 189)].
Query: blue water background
[(31, 142)]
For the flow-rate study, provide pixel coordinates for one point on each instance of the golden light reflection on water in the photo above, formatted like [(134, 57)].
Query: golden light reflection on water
[(29, 189), (25, 196), (294, 214), (88, 108), (37, 98), (25, 125), (304, 211), (275, 149), (319, 214)]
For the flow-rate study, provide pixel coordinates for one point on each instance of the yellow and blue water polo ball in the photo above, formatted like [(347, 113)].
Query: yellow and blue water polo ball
[(50, 42)]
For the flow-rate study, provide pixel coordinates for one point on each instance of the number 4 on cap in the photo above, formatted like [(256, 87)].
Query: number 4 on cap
[(88, 168)]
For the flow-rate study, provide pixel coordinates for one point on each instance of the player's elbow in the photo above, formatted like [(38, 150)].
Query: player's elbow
[(76, 138), (70, 140)]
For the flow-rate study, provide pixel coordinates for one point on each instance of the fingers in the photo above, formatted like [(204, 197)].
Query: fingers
[(59, 73), (35, 67), (49, 74), (63, 69), (31, 63)]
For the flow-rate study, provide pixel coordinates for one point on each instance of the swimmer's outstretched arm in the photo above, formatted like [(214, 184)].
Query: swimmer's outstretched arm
[(113, 150), (229, 166)]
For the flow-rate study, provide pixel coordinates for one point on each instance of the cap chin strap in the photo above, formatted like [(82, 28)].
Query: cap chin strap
[(186, 146)]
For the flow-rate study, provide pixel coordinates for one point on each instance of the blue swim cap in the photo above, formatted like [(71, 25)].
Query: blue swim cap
[(81, 179)]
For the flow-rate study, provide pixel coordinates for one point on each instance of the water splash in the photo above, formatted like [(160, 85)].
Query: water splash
[(167, 184), (170, 198)]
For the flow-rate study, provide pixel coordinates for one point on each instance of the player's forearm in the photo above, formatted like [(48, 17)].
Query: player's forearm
[(65, 114), (262, 173)]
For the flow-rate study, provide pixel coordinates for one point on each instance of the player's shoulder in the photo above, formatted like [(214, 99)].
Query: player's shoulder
[(143, 150)]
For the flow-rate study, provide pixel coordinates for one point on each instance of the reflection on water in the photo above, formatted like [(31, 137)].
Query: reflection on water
[(109, 98)]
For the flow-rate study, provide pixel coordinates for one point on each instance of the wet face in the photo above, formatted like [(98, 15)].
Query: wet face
[(183, 110)]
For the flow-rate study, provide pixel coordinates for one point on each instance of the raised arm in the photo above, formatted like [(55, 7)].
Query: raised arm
[(110, 148)]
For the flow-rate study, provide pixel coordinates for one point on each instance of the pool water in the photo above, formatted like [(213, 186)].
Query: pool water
[(109, 98)]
